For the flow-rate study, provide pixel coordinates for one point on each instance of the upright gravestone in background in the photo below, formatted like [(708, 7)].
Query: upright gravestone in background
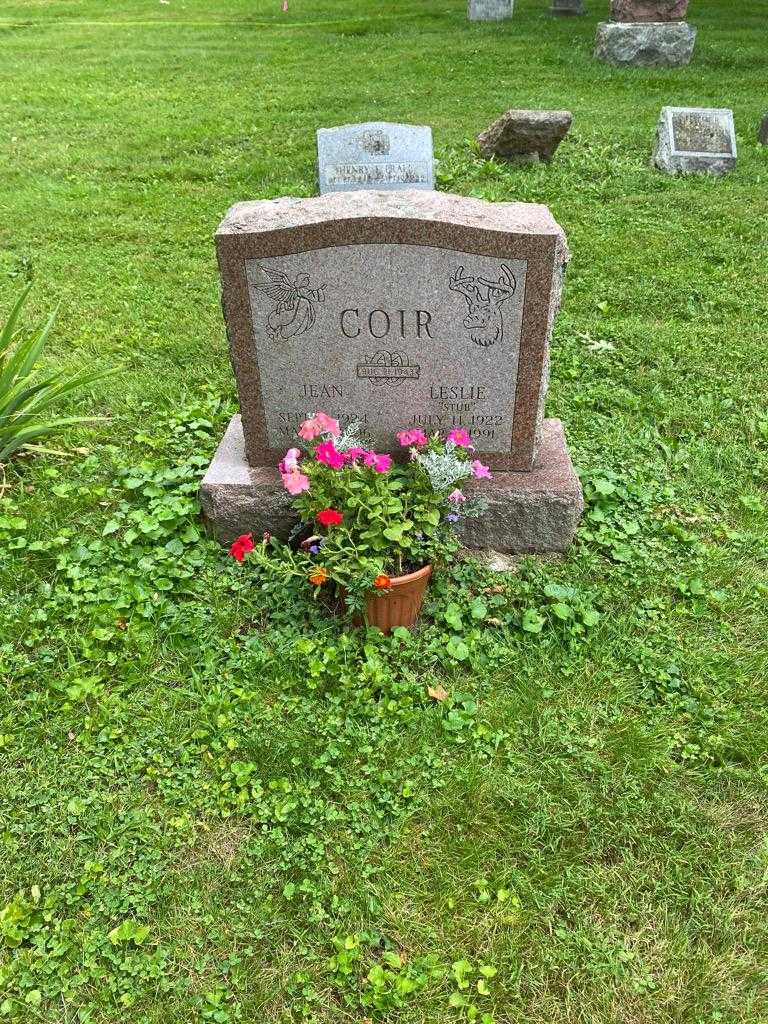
[(490, 10), (374, 155), (398, 310), (695, 140), (646, 33), (567, 8), (762, 131), (648, 10)]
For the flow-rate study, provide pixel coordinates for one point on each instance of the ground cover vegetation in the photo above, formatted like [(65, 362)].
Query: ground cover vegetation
[(216, 802)]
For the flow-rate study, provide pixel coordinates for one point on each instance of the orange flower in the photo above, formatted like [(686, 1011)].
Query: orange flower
[(319, 577), (382, 582)]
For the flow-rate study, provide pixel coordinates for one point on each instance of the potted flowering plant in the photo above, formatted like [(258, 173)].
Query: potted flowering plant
[(375, 525)]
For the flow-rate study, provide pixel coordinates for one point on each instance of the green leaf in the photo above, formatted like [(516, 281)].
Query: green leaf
[(478, 608), (457, 648), (562, 611), (452, 616), (532, 622)]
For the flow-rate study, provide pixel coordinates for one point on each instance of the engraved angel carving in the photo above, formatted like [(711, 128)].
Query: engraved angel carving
[(295, 301)]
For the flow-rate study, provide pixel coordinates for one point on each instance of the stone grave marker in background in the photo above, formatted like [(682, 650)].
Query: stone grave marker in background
[(525, 136), (646, 33), (490, 10), (648, 10), (567, 8), (762, 131), (375, 155), (695, 140), (397, 310)]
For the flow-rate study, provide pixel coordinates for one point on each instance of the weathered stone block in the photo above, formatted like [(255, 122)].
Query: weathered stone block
[(525, 136), (648, 10), (537, 511), (654, 44), (695, 140), (490, 10), (376, 155)]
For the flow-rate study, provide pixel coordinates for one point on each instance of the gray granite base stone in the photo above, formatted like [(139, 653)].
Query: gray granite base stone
[(529, 512), (649, 44)]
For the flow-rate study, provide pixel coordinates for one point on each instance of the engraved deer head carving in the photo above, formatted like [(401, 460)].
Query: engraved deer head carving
[(484, 301)]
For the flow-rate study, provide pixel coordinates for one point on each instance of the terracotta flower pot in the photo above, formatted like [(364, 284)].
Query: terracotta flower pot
[(401, 604)]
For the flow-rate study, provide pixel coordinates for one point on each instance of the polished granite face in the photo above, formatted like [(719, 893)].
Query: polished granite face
[(395, 310)]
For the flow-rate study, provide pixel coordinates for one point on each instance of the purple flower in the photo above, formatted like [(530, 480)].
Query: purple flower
[(452, 518), (314, 549)]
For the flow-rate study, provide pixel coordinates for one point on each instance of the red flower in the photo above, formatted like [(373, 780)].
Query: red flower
[(329, 517), (382, 582), (242, 546)]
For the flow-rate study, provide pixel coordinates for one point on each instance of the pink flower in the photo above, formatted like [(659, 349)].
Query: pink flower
[(290, 461), (456, 496), (326, 453), (479, 471), (295, 482), (409, 437), (460, 438), (380, 463), (327, 424), (320, 423), (355, 453)]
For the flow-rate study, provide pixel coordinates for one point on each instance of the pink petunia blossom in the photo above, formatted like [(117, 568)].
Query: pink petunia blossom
[(355, 453), (295, 482), (327, 454), (456, 496), (320, 423), (411, 437), (290, 461), (479, 471), (380, 463), (460, 438)]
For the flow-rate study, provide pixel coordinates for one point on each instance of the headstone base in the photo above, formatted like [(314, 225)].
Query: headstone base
[(645, 44), (531, 512)]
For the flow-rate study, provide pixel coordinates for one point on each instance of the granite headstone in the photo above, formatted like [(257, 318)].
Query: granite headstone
[(567, 8), (376, 155), (645, 44), (648, 10), (762, 131), (490, 10), (396, 310), (695, 140)]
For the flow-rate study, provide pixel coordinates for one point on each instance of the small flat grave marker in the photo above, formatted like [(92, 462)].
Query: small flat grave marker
[(377, 155), (695, 140), (490, 10)]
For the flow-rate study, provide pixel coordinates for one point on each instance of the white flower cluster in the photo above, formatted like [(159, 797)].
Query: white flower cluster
[(352, 437)]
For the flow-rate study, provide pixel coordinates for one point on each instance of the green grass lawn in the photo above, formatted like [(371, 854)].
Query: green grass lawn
[(219, 804)]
